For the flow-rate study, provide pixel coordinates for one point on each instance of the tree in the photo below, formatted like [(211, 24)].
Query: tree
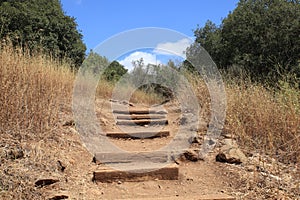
[(159, 79), (209, 37), (99, 65), (35, 24), (95, 63), (114, 71), (261, 35)]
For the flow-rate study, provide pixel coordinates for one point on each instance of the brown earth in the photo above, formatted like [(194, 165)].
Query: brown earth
[(61, 156)]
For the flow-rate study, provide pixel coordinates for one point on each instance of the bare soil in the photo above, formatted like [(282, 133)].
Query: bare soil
[(61, 155)]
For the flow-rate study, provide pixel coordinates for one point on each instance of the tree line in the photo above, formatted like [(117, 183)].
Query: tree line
[(41, 25), (259, 36)]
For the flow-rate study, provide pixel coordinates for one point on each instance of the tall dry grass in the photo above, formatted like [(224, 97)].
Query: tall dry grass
[(262, 118), (265, 119), (33, 89)]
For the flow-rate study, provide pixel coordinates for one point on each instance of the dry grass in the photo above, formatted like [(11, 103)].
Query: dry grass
[(33, 89), (266, 120), (105, 90), (263, 119), (33, 92)]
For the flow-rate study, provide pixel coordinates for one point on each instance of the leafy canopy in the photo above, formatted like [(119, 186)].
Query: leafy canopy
[(100, 65), (37, 24), (261, 35)]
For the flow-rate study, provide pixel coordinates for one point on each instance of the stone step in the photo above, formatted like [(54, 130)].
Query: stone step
[(142, 122), (139, 135), (140, 112), (134, 117), (132, 157), (108, 175)]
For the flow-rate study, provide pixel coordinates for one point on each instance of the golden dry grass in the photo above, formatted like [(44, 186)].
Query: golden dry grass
[(105, 90), (33, 92), (33, 89), (263, 119)]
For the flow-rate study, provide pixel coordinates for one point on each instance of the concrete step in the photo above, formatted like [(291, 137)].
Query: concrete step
[(139, 135)]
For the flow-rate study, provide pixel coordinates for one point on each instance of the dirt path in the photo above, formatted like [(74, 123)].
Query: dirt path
[(62, 156), (195, 178)]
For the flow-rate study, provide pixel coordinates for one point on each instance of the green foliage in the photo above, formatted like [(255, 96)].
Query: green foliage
[(37, 24), (186, 65), (99, 65), (157, 79), (114, 71), (210, 39), (261, 35), (95, 63)]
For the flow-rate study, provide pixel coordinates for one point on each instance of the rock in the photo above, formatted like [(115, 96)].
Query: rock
[(196, 140), (183, 121), (61, 166), (114, 101), (45, 182), (228, 136), (232, 156), (230, 153), (59, 197), (104, 121), (221, 157), (191, 155), (69, 123)]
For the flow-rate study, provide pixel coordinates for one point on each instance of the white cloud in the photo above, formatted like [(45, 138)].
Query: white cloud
[(148, 58), (170, 48)]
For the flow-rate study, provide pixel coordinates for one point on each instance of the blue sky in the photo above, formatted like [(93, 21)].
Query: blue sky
[(99, 20)]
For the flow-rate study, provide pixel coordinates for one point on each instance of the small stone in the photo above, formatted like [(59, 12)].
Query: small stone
[(104, 121), (191, 155), (196, 140), (45, 182), (228, 136), (61, 166), (69, 123), (183, 121), (250, 168), (59, 197)]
